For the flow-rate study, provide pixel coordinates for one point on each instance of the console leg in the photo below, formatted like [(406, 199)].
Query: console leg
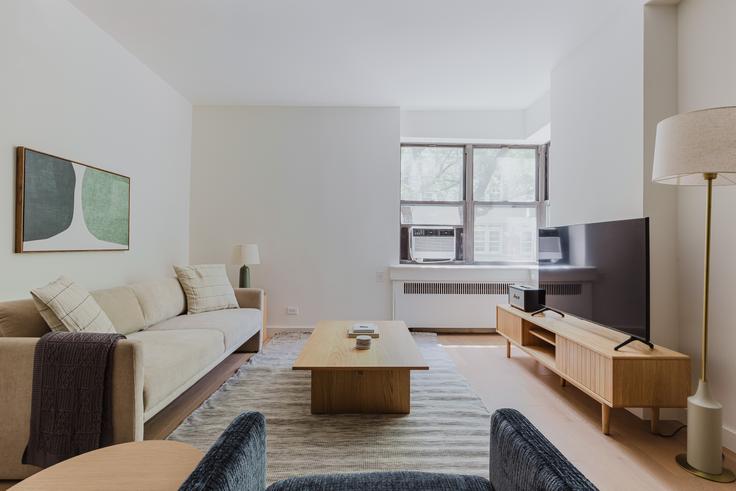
[(655, 419), (508, 349), (605, 419), (563, 382)]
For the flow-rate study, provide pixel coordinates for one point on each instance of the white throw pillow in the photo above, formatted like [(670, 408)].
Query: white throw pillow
[(66, 306), (207, 288)]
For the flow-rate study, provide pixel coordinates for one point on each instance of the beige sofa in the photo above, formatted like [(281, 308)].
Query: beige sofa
[(165, 353)]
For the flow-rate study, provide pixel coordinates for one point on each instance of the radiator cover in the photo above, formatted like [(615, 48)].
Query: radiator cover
[(462, 305)]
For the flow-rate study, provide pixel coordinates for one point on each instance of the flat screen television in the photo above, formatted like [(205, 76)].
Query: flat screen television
[(598, 272)]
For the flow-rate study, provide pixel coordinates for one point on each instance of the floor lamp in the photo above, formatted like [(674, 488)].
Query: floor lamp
[(696, 149)]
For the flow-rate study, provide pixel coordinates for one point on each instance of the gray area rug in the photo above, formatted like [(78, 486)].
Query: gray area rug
[(447, 430)]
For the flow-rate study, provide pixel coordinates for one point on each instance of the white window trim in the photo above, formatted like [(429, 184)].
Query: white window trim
[(469, 203)]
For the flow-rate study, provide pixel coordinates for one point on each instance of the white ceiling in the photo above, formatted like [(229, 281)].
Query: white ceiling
[(454, 54)]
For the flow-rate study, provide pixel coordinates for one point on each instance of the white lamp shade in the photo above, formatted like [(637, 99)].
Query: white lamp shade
[(246, 254), (691, 144)]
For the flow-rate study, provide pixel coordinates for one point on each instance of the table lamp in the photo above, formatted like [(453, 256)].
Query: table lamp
[(695, 149), (245, 255)]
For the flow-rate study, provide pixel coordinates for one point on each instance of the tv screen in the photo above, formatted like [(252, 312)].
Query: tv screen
[(598, 272)]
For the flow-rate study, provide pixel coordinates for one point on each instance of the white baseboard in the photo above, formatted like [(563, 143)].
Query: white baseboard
[(729, 438)]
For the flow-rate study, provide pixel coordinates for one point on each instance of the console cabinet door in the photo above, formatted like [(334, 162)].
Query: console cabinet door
[(508, 324), (592, 370)]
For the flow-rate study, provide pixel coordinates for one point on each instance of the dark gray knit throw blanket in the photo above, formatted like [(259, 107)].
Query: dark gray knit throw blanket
[(71, 398)]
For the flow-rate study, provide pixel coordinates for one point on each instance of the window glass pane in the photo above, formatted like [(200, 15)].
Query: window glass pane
[(431, 215), (432, 173), (505, 233), (504, 174)]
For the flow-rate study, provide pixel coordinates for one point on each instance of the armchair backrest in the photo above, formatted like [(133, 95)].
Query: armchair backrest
[(237, 460), (521, 458)]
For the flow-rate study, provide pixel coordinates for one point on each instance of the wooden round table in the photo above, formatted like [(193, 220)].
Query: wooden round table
[(150, 465)]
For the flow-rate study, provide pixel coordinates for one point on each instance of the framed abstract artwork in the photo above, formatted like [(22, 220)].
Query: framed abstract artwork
[(62, 205)]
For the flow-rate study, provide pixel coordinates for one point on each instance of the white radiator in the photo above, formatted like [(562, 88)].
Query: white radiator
[(448, 304), (466, 305)]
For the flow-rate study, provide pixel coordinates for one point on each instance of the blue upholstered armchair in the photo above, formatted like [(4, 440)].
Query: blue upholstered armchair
[(521, 459)]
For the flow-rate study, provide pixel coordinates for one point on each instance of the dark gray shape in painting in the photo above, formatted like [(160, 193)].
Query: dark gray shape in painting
[(48, 205)]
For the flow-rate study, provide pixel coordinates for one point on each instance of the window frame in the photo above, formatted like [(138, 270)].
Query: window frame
[(468, 203)]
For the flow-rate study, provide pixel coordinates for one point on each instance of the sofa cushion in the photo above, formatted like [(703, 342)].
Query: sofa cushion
[(122, 307), (207, 288), (67, 306), (171, 358), (20, 319), (160, 299), (236, 325)]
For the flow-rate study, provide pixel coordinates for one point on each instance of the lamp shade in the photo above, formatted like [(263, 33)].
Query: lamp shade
[(691, 144), (246, 254)]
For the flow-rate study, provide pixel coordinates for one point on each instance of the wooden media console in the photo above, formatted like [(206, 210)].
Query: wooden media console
[(582, 353)]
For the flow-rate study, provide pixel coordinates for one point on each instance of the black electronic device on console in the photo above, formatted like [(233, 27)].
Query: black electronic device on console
[(526, 298)]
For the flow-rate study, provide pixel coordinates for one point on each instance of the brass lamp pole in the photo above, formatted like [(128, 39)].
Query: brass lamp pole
[(708, 176)]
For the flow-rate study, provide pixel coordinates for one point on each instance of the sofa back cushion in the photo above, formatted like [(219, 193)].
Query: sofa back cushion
[(207, 288), (20, 318), (122, 307), (68, 306), (160, 299)]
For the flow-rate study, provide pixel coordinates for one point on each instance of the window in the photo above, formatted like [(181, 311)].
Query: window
[(492, 195)]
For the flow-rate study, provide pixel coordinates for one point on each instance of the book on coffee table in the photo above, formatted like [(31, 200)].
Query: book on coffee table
[(367, 329)]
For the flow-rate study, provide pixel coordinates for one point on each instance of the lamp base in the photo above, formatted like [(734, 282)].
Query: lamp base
[(245, 277), (704, 456), (725, 476)]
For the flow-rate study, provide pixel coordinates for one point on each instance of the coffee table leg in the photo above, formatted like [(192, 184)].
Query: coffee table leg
[(361, 391)]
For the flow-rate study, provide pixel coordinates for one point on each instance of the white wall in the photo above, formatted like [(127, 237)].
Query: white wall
[(596, 114), (466, 126), (607, 97), (69, 89), (316, 188), (660, 201), (524, 125), (707, 78), (537, 115)]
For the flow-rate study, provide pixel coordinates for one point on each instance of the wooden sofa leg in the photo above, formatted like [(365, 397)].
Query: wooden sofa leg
[(253, 345)]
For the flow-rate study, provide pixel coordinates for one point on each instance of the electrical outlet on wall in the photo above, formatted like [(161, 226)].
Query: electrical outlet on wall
[(292, 310)]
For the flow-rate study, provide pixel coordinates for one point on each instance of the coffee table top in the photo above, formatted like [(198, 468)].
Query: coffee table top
[(330, 348), (151, 465)]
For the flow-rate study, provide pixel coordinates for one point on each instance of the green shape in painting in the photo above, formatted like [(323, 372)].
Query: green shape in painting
[(48, 201), (106, 205)]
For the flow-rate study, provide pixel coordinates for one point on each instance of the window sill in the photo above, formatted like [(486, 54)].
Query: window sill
[(463, 272)]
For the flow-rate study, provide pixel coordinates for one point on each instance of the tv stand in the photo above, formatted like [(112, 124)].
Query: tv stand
[(546, 309), (631, 340), (599, 361)]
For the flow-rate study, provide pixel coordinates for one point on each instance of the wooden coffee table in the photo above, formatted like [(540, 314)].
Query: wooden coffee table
[(349, 380)]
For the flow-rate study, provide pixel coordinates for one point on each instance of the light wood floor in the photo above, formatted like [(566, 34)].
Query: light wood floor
[(631, 458)]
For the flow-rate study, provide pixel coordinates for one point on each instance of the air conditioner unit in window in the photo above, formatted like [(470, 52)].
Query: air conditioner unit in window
[(550, 249), (432, 244)]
